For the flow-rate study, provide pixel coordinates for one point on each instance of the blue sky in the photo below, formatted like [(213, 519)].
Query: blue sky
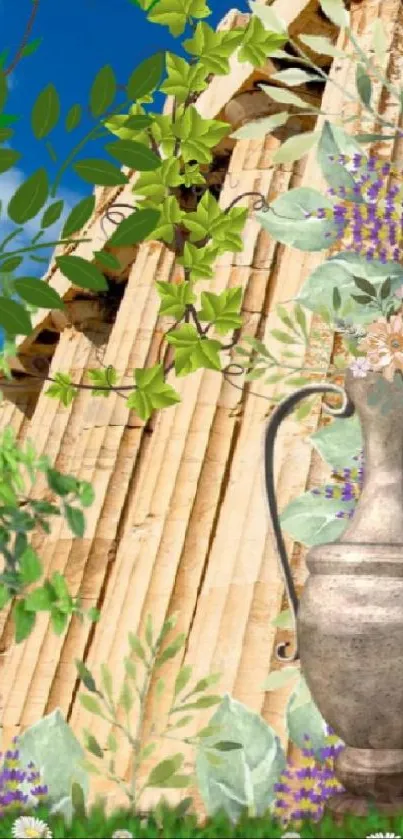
[(79, 37)]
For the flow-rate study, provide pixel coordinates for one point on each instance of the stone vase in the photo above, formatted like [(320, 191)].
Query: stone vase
[(349, 620)]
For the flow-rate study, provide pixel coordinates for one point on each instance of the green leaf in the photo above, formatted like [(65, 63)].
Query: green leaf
[(203, 702), (107, 259), (81, 273), (146, 77), (258, 43), (336, 299), (5, 595), (91, 704), (30, 566), (29, 198), (78, 801), (213, 49), (31, 47), (73, 117), (149, 631), (222, 310), (311, 519), (152, 393), (171, 650), (78, 216), (285, 97), (303, 717), (296, 147), (164, 770), (134, 155), (183, 78), (182, 679), (379, 40), (385, 288), (14, 319), (75, 520), (3, 90), (52, 214), (24, 621), (85, 676), (8, 158), (227, 746), (136, 646), (45, 112), (40, 600), (138, 122), (61, 484), (336, 11), (307, 234), (198, 135), (126, 698), (269, 17), (175, 298), (284, 620), (294, 76), (260, 128), (103, 90), (135, 228), (333, 142), (339, 442), (200, 261), (279, 678), (210, 220), (99, 172), (364, 84), (193, 351), (85, 493), (58, 620), (175, 13), (38, 293), (365, 286), (91, 743), (321, 45)]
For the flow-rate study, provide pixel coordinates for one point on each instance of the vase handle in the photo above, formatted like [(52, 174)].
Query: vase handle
[(285, 407)]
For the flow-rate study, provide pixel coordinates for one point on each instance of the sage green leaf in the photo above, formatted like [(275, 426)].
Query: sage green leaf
[(311, 519), (182, 679), (278, 678), (364, 84), (45, 112), (336, 11), (296, 147), (81, 273), (289, 225), (52, 214), (321, 45), (146, 77), (305, 718), (78, 216), (149, 631), (164, 770), (269, 17), (294, 76), (24, 621), (29, 198), (92, 745), (137, 646), (14, 319), (75, 520), (171, 650), (86, 676), (99, 172), (135, 228), (38, 293), (333, 142), (126, 698), (379, 40), (73, 117), (8, 158), (103, 90), (284, 620), (373, 138), (243, 777), (285, 97), (260, 128), (339, 442), (91, 704), (135, 155)]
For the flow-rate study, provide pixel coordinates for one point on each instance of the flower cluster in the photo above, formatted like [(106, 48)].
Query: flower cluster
[(19, 788), (302, 791), (373, 228), (347, 487), (383, 344)]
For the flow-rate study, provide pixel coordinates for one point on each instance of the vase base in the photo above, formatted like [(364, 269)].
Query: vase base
[(346, 804)]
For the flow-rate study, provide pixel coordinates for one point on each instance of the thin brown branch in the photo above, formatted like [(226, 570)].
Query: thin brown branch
[(25, 37)]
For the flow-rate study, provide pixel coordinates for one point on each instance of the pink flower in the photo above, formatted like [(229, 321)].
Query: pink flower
[(399, 292), (384, 345)]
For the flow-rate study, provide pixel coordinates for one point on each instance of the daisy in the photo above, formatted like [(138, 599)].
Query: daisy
[(360, 367), (384, 345), (383, 836), (27, 827)]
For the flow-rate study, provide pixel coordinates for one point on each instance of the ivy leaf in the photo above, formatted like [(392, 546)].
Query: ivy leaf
[(78, 216), (14, 319), (296, 147), (175, 13), (213, 49), (135, 228), (258, 43), (81, 273), (210, 220), (193, 352), (38, 293), (222, 310), (183, 78), (62, 388), (175, 298), (24, 621), (152, 392), (170, 215), (103, 90), (45, 112), (100, 172), (146, 77), (134, 155), (363, 84), (29, 198), (106, 378), (153, 185), (198, 135), (199, 261)]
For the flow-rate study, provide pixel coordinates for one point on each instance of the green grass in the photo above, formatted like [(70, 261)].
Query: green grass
[(98, 826)]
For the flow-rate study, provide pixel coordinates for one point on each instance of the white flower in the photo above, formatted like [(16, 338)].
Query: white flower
[(27, 827), (383, 836), (122, 834), (291, 836), (360, 367)]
